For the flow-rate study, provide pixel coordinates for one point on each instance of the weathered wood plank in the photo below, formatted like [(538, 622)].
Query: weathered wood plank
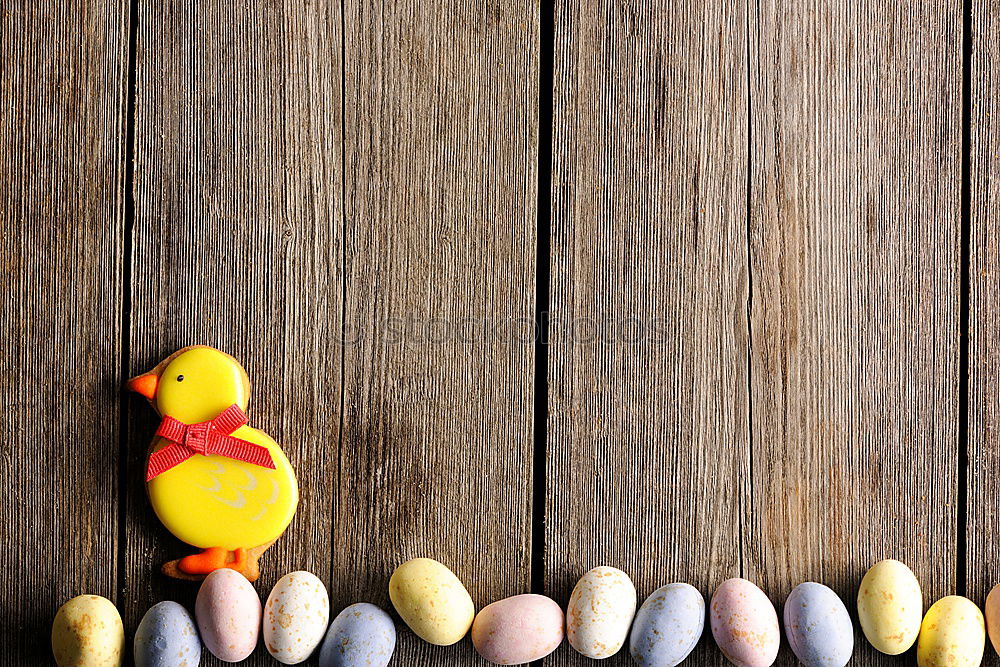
[(440, 203), (647, 450), (855, 264), (237, 244), (61, 231), (983, 559)]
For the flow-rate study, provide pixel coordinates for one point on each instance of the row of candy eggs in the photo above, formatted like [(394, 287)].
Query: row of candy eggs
[(435, 604), (294, 622), (88, 631), (601, 615), (952, 632), (601, 612), (746, 629)]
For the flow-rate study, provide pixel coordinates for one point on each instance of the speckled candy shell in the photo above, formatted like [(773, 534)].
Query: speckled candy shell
[(167, 637), (890, 606), (745, 624), (953, 634), (295, 617), (518, 629), (667, 626), (992, 612), (87, 632), (432, 601), (818, 626), (600, 612), (361, 634), (228, 613)]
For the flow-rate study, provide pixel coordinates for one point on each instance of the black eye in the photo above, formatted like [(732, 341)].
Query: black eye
[(180, 378)]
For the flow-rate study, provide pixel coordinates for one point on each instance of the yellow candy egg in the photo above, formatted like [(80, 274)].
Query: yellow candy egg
[(432, 601), (952, 635), (87, 632), (890, 607)]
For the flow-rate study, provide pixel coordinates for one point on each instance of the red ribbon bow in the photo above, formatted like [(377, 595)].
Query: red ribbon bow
[(206, 438)]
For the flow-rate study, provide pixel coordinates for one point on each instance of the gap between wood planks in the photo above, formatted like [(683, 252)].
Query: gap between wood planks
[(961, 584), (128, 217), (543, 234)]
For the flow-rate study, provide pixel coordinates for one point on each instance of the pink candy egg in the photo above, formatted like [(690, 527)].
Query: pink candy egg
[(228, 612), (518, 629), (745, 624)]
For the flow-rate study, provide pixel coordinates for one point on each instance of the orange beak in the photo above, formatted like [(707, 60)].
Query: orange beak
[(145, 385)]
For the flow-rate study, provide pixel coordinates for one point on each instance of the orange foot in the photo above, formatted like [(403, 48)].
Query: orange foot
[(212, 559)]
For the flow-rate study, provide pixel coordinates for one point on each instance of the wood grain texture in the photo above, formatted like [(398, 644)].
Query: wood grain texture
[(983, 558), (647, 449), (237, 244), (61, 166), (440, 203), (855, 264)]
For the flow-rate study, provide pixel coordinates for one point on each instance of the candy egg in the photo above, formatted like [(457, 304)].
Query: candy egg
[(993, 617), (87, 632), (600, 612), (744, 624), (228, 613), (166, 637), (668, 626), (362, 634), (818, 626), (432, 601), (952, 634), (518, 629), (890, 607), (295, 617)]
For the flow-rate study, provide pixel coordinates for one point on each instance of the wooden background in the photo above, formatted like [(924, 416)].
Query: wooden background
[(761, 237)]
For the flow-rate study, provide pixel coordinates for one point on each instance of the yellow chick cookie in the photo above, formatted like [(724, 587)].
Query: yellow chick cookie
[(213, 481)]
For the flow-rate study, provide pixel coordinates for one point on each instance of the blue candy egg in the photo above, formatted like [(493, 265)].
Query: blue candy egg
[(362, 634), (167, 637), (668, 626), (818, 627)]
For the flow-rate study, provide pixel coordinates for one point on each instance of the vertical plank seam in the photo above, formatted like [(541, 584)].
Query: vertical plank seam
[(964, 297), (749, 270), (543, 231), (128, 220)]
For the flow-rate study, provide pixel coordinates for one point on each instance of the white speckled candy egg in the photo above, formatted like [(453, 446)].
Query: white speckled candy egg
[(295, 617), (362, 634), (87, 632), (992, 610), (818, 626), (166, 637), (432, 601), (890, 606), (952, 634), (745, 624), (518, 629), (600, 612), (228, 613), (668, 626)]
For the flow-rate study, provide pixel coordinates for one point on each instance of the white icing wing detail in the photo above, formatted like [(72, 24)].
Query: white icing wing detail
[(239, 503), (251, 480), (275, 491), (216, 472)]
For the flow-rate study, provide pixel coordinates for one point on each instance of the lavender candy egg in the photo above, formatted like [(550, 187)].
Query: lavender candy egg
[(361, 634), (228, 612), (668, 626), (166, 637), (818, 626), (744, 624), (518, 629)]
